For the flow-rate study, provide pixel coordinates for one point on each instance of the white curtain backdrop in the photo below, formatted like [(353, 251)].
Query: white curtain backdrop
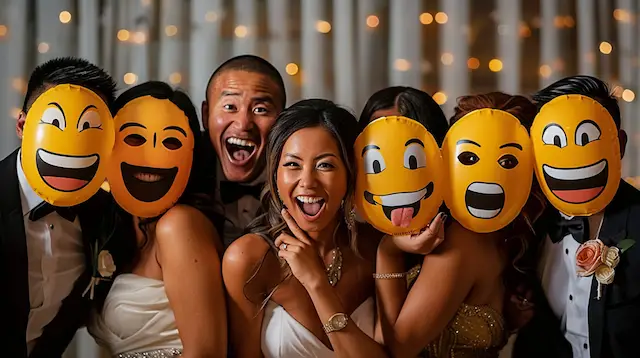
[(343, 50)]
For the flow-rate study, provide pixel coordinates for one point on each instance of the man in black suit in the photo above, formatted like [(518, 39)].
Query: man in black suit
[(570, 320), (47, 254)]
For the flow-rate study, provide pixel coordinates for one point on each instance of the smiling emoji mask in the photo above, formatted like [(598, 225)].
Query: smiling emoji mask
[(577, 154), (67, 141), (152, 156), (398, 185), (488, 163)]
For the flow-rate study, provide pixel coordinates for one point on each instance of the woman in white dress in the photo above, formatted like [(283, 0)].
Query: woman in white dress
[(300, 284), (171, 302)]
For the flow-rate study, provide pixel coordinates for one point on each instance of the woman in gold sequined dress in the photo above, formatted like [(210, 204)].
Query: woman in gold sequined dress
[(454, 307)]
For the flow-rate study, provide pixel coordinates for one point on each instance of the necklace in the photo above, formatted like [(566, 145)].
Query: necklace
[(334, 270)]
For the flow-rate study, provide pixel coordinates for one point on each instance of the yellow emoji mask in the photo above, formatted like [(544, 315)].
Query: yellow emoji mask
[(488, 163), (67, 141), (398, 186), (577, 154), (152, 156)]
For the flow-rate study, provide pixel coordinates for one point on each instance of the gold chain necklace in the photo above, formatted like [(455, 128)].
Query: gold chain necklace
[(334, 270)]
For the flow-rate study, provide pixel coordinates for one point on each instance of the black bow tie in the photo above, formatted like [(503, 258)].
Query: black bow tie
[(43, 209), (232, 191), (578, 227)]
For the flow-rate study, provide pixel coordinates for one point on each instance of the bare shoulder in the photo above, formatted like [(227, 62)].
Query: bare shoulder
[(246, 260), (182, 225), (246, 251)]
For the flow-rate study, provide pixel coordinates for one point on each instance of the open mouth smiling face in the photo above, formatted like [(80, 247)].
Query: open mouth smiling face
[(64, 172), (147, 184), (577, 154), (398, 187)]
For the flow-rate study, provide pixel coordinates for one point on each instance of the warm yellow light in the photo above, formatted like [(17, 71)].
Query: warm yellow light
[(323, 26), (145, 2), (175, 78), (241, 31), (525, 31), (628, 95), (426, 18), (15, 112), (569, 21), (373, 21), (442, 18), (545, 71), (401, 64), (19, 84), (211, 16), (43, 47), (495, 65), (558, 21), (105, 186), (622, 15), (617, 91), (440, 98), (123, 35), (171, 30), (65, 17), (291, 68), (130, 78), (605, 47), (473, 63), (446, 59), (3, 30), (139, 37)]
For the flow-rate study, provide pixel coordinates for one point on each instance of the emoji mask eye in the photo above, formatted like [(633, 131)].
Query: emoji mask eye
[(468, 158), (414, 157), (554, 135), (587, 132), (508, 161), (373, 162), (88, 120), (172, 143), (55, 117), (135, 140)]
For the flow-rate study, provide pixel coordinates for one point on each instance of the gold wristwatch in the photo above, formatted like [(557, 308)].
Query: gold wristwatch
[(336, 322)]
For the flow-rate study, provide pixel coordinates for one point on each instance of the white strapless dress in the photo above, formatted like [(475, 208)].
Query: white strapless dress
[(283, 336), (136, 320)]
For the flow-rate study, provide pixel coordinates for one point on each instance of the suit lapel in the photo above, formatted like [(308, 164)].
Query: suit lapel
[(13, 249)]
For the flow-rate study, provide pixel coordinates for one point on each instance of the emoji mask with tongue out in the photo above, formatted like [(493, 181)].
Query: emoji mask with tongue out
[(398, 186), (489, 167), (66, 145), (577, 154), (153, 154)]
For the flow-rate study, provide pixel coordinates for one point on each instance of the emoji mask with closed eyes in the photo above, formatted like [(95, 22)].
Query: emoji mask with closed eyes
[(577, 154), (152, 156), (398, 184), (489, 168), (67, 141)]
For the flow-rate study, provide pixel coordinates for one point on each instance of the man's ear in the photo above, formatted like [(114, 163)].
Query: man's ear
[(622, 136), (205, 115), (22, 117)]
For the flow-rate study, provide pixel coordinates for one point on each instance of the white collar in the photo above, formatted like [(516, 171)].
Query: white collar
[(28, 197)]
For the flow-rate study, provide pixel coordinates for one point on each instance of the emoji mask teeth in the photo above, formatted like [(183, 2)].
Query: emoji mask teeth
[(577, 185), (147, 184), (484, 200), (400, 208), (66, 173)]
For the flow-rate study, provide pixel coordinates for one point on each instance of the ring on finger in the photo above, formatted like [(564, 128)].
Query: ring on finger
[(283, 246)]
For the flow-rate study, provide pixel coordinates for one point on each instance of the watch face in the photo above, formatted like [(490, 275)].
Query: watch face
[(339, 321)]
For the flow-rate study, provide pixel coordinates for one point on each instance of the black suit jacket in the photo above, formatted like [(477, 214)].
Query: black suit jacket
[(99, 219), (614, 319)]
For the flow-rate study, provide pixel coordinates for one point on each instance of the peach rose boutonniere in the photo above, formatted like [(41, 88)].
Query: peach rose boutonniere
[(104, 267), (594, 257)]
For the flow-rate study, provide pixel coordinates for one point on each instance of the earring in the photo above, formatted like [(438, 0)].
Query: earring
[(350, 219)]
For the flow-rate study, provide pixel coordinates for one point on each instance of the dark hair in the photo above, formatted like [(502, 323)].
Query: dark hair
[(411, 103), (198, 192), (519, 106), (310, 113), (253, 64), (73, 71), (584, 85)]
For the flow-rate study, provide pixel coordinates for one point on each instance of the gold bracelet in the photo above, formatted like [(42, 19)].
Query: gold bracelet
[(385, 276)]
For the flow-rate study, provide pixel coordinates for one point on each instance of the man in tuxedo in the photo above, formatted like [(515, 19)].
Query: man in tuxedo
[(46, 252), (243, 98), (570, 320)]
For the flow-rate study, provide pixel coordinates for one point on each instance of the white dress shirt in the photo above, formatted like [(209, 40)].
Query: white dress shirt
[(569, 294), (56, 260)]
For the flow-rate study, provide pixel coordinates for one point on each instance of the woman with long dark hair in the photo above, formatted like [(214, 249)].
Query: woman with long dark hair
[(170, 302)]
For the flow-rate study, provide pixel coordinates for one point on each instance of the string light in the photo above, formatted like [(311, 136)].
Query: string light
[(211, 16), (139, 37), (43, 47), (628, 95), (373, 21), (402, 65), (441, 18), (323, 26), (605, 47), (569, 22), (473, 63), (446, 58), (291, 68), (622, 15), (130, 78), (525, 31), (241, 31), (15, 112), (19, 84), (175, 78), (495, 65), (65, 17), (440, 98), (545, 71), (426, 18), (171, 30), (123, 35), (3, 30)]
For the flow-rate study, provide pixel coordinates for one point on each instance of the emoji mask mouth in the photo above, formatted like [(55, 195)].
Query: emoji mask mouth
[(400, 208), (240, 150), (66, 173), (577, 185), (484, 200), (147, 184)]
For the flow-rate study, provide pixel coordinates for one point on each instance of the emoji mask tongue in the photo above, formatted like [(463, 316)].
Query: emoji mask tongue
[(401, 217)]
